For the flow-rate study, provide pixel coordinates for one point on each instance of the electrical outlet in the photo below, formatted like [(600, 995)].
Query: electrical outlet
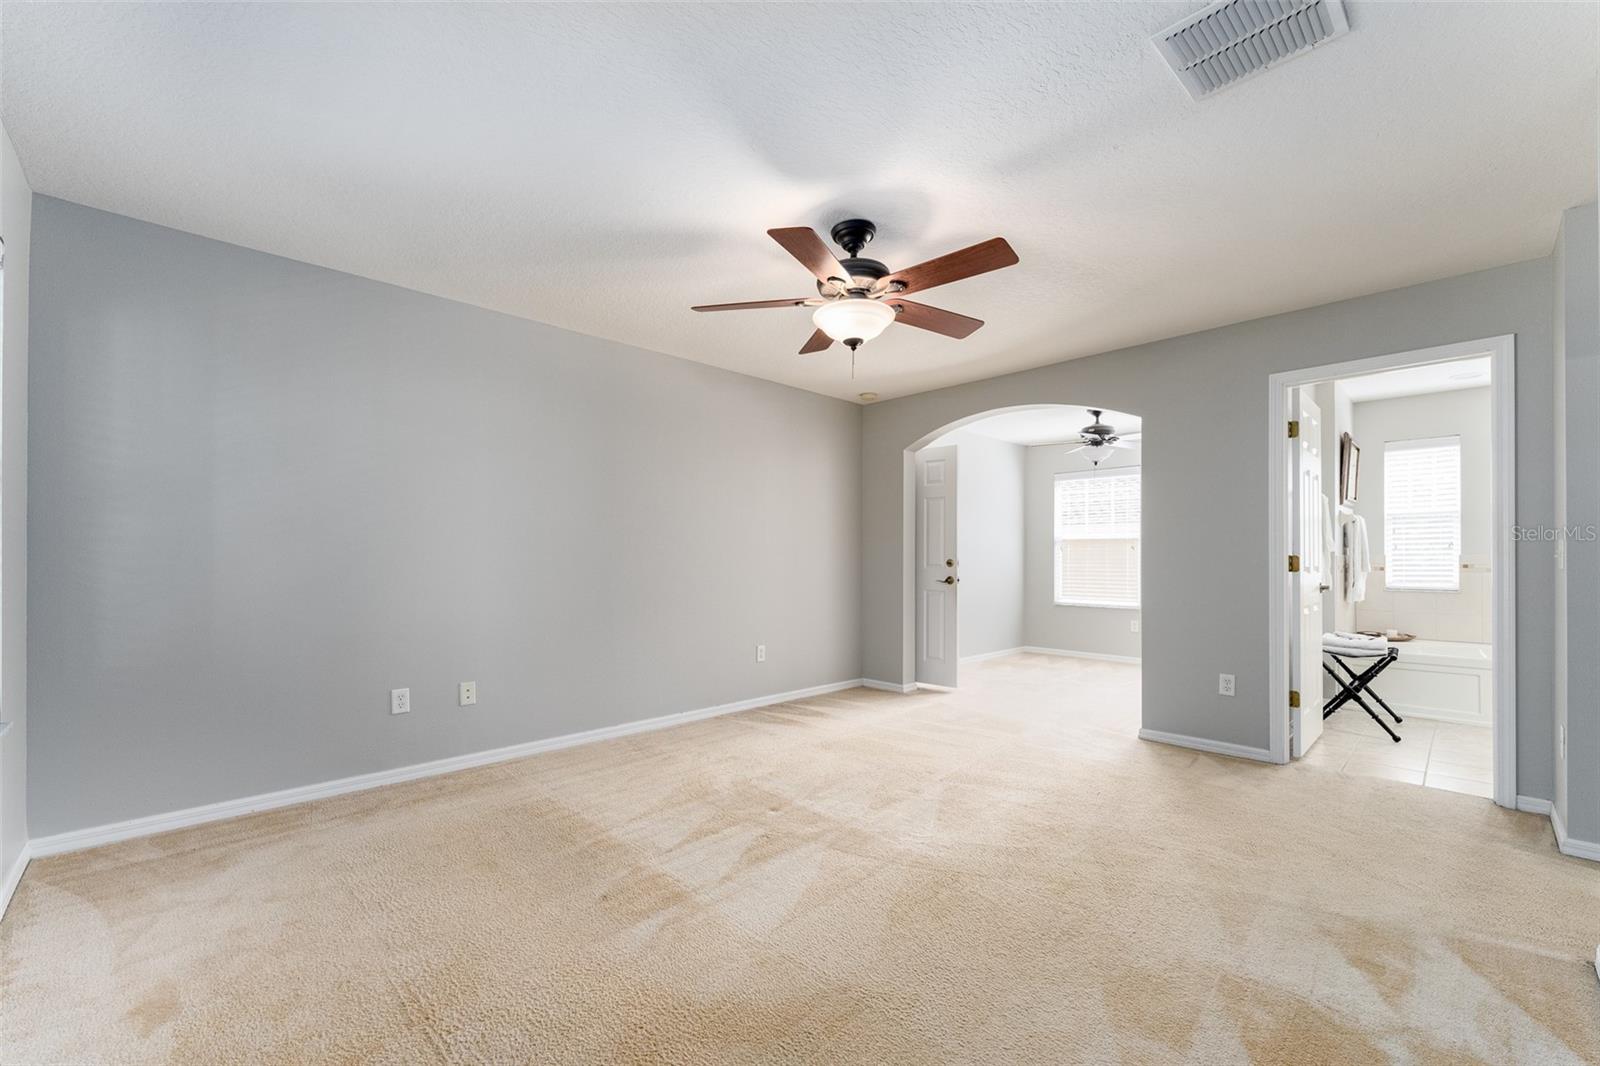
[(1224, 684), (761, 653), (467, 693), (1133, 626), (399, 701)]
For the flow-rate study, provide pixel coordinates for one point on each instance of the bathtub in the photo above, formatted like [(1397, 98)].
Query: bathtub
[(1448, 680)]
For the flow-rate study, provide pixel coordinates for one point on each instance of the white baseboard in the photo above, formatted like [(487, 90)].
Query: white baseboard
[(888, 686), (1081, 654), (8, 888), (1581, 849), (1533, 805), (1001, 654), (1215, 747), (78, 839)]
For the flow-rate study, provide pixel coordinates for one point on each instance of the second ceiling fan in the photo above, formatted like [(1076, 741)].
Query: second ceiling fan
[(858, 298)]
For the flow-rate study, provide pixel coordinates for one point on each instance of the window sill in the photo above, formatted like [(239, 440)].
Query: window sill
[(1103, 606)]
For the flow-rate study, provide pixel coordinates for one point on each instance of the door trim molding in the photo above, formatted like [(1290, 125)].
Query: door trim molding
[(1502, 353)]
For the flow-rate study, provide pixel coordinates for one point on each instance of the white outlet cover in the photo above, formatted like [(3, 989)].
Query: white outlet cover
[(467, 693), (399, 701), (1224, 684), (761, 653)]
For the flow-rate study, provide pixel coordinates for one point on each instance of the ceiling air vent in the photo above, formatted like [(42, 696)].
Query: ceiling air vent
[(1231, 40)]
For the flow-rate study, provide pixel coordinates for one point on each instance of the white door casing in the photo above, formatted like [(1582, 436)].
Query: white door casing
[(937, 655), (1307, 524)]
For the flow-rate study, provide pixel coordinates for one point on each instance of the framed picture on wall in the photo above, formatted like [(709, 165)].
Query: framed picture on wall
[(1349, 467)]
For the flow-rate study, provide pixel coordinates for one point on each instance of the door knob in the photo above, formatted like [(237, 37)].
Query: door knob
[(949, 581), (949, 562)]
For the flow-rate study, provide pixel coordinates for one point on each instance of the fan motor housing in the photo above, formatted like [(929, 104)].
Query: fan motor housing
[(869, 270)]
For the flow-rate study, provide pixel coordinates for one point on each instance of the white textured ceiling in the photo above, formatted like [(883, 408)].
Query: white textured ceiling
[(604, 167), (1419, 380), (1044, 425)]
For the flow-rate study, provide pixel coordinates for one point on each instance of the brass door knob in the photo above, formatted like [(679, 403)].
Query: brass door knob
[(949, 562), (949, 581)]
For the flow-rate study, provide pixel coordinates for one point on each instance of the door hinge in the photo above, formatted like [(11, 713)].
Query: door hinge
[(1294, 697), (1294, 428), (1294, 564)]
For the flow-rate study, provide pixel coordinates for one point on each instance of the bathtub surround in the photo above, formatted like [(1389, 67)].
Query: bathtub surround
[(1441, 680)]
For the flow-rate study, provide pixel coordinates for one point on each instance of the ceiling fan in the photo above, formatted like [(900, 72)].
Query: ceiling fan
[(857, 298), (1100, 439)]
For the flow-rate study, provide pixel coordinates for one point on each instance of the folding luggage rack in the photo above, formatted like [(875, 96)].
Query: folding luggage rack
[(1359, 682)]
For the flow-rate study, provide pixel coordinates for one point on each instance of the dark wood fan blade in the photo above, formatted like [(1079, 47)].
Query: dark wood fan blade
[(806, 246), (750, 304), (933, 318), (979, 259), (819, 341)]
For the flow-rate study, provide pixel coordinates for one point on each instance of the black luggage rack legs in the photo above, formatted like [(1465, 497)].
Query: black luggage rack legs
[(1360, 682)]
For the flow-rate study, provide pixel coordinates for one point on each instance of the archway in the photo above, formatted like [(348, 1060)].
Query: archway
[(1022, 541)]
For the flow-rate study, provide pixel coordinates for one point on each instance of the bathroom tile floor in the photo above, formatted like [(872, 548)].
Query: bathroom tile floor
[(1444, 755)]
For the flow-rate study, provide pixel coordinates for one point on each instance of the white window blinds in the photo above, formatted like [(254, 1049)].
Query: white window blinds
[(1097, 538), (1422, 514)]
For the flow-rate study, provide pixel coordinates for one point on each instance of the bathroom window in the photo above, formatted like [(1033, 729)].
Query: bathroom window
[(1097, 538), (1422, 514)]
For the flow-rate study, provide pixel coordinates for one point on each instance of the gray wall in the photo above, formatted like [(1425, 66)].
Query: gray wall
[(1095, 630), (1577, 320), (16, 210), (989, 540), (265, 493), (1205, 510)]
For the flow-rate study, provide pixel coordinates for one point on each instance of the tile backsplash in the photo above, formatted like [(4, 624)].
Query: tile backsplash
[(1463, 615)]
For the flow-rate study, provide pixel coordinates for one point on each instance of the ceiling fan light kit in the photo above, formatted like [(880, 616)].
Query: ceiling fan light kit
[(853, 319), (858, 298)]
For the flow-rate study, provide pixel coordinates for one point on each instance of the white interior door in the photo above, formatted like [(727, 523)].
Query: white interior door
[(1308, 519), (936, 566)]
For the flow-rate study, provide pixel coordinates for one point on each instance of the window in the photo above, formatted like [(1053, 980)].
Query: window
[(1422, 514), (1097, 538)]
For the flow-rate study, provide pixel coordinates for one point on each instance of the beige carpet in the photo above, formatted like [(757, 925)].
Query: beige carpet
[(1003, 874)]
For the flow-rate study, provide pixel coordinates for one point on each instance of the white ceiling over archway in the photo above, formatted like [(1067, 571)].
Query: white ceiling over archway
[(1044, 425), (603, 167)]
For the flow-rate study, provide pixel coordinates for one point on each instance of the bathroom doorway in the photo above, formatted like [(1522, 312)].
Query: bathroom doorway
[(1391, 616)]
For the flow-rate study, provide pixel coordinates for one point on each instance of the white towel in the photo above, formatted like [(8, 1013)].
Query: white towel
[(1330, 541), (1342, 643), (1360, 559)]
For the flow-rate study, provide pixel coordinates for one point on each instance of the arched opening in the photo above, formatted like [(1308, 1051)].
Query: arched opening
[(1023, 555)]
